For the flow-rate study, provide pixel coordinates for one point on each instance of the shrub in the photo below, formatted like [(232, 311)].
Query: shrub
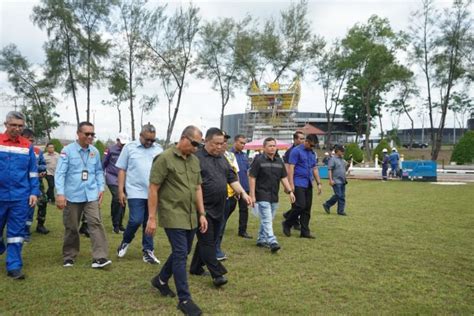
[(100, 147), (57, 145), (354, 151), (464, 150), (378, 150)]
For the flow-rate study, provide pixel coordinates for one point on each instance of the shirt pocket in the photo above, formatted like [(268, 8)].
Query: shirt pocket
[(21, 161)]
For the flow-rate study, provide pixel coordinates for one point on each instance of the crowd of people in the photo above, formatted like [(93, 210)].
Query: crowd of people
[(190, 189)]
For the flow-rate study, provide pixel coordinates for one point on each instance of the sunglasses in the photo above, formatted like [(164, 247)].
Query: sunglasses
[(149, 140), (89, 134), (193, 142), (20, 126)]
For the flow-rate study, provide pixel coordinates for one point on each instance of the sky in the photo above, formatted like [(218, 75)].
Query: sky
[(200, 104)]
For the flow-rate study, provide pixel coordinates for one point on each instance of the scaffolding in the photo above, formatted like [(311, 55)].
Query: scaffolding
[(271, 111)]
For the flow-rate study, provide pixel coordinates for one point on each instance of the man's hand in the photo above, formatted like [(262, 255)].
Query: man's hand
[(101, 196), (319, 189), (60, 201), (122, 198), (292, 197), (254, 199), (42, 174), (32, 200), (331, 182), (202, 224), (247, 198), (150, 226)]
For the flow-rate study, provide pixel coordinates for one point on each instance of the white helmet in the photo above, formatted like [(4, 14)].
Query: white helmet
[(394, 149), (384, 150)]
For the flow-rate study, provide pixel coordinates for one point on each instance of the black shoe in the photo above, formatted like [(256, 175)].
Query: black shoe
[(42, 230), (68, 263), (342, 214), (189, 308), (219, 281), (200, 273), (297, 226), (16, 274), (326, 208), (121, 228), (84, 230), (262, 245), (245, 235), (274, 247), (286, 229), (116, 230), (100, 263), (285, 215), (308, 236), (163, 288)]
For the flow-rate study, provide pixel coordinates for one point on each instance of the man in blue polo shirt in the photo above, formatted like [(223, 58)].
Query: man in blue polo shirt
[(134, 165), (302, 172)]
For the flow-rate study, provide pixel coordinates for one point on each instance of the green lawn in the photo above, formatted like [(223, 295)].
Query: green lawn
[(405, 248)]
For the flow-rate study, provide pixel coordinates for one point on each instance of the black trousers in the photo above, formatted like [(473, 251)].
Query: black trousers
[(243, 213), (117, 212), (302, 209), (50, 192), (205, 252)]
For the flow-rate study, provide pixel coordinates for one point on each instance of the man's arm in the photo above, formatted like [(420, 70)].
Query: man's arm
[(288, 189), (153, 199), (200, 209), (252, 183), (239, 190), (291, 172), (317, 178), (33, 178), (99, 177), (121, 187), (60, 178)]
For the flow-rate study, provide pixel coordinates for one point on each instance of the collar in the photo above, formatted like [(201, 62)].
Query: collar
[(6, 138), (178, 153), (268, 157), (79, 148)]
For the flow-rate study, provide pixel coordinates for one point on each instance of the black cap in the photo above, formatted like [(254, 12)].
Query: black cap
[(213, 131), (226, 136), (339, 148)]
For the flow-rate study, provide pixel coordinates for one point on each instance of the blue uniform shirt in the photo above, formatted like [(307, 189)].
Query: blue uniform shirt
[(304, 162), (137, 160), (243, 162), (72, 161), (394, 158)]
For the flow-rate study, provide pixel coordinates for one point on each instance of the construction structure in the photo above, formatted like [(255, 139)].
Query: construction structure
[(271, 110)]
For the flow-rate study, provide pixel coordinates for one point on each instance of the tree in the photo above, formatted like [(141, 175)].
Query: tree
[(118, 88), (171, 43), (371, 59), (216, 59), (91, 16), (406, 89), (39, 102), (464, 150), (147, 104), (130, 57), (452, 59), (331, 76), (62, 49), (461, 104)]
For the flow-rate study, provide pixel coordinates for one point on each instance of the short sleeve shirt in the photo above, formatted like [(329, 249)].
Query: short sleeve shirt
[(267, 173), (178, 177), (216, 173), (338, 167)]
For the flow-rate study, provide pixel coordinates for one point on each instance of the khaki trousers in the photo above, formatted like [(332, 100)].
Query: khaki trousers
[(71, 218)]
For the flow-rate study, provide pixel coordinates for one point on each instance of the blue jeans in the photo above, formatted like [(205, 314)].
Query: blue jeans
[(181, 242), (138, 216), (266, 212), (339, 197)]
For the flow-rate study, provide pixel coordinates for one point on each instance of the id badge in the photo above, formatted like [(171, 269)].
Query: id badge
[(85, 175)]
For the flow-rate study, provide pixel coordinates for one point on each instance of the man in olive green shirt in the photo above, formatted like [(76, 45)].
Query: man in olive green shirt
[(175, 192)]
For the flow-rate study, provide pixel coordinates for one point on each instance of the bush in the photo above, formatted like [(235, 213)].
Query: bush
[(57, 145), (100, 147), (378, 150), (464, 150), (354, 151)]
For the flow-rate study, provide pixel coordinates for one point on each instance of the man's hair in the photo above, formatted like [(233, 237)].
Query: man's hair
[(213, 131), (148, 128), (49, 144), (295, 135), (238, 136), (189, 131), (312, 138), (27, 133), (339, 147), (84, 124), (267, 140), (15, 115)]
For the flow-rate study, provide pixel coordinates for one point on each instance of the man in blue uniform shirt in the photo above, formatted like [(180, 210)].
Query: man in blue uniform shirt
[(79, 185), (19, 190)]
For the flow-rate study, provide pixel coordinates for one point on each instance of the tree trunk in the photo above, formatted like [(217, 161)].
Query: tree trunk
[(119, 117), (175, 114), (88, 84), (130, 92), (71, 78)]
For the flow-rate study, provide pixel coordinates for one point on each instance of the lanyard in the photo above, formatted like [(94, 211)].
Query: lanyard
[(82, 158)]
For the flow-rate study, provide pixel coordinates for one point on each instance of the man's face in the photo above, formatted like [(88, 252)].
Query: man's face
[(147, 139), (240, 144), (299, 140), (309, 145), (339, 153), (86, 135), (31, 138), (224, 146), (215, 144), (191, 144), (50, 149), (14, 127), (270, 148)]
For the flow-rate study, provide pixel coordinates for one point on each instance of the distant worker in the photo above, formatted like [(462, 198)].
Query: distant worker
[(337, 169), (385, 162), (19, 190), (51, 157), (326, 158), (394, 161)]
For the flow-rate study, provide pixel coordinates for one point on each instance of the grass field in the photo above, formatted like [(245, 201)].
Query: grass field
[(405, 248)]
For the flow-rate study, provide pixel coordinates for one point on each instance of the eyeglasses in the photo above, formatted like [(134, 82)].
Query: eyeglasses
[(19, 126), (89, 134), (149, 140), (193, 142)]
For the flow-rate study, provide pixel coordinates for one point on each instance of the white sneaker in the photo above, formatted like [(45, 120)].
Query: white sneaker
[(122, 249), (149, 257)]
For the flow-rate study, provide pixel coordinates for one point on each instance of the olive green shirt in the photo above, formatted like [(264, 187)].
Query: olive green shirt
[(178, 177)]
